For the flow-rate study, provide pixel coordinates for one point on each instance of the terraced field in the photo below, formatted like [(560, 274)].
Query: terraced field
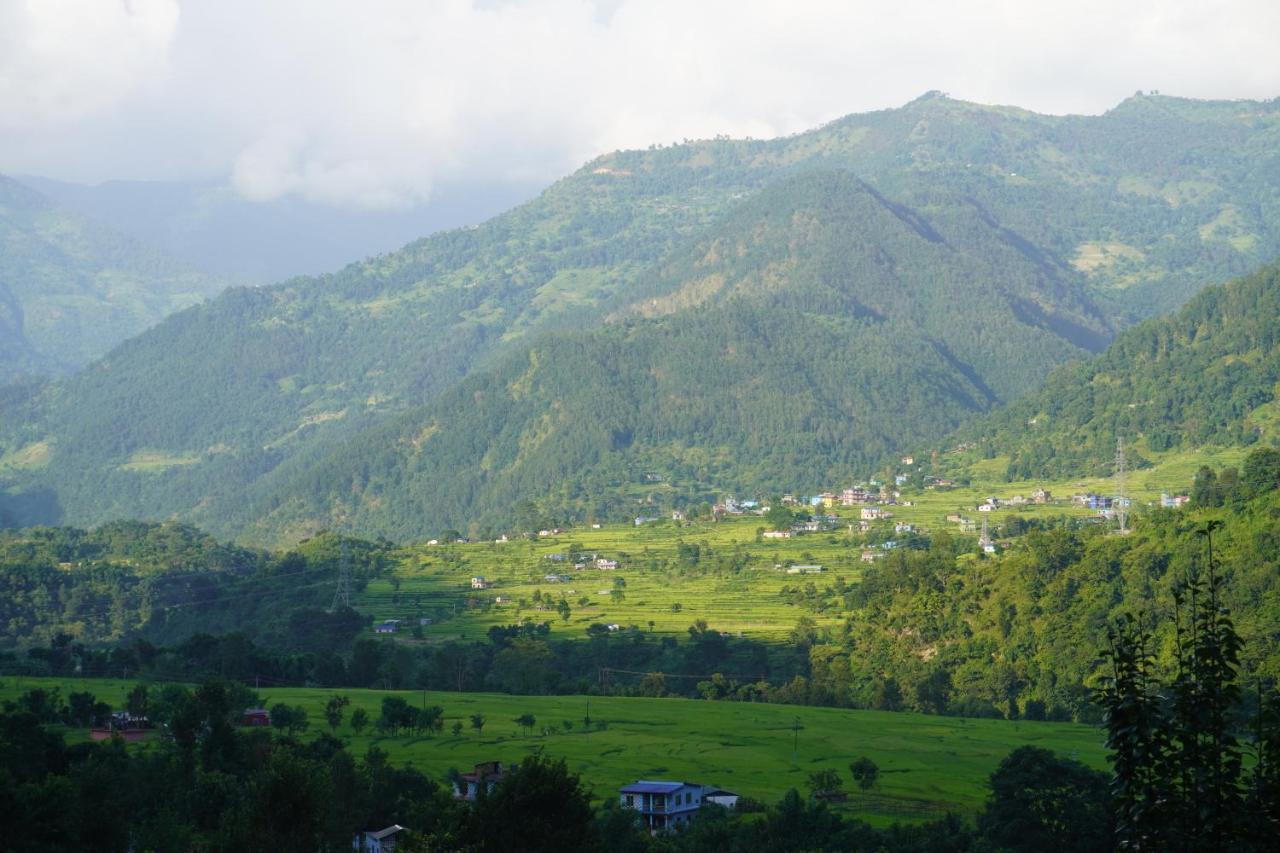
[(736, 582), (659, 588), (928, 764)]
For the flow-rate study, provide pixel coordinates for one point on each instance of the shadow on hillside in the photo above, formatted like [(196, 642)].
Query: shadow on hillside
[(39, 506)]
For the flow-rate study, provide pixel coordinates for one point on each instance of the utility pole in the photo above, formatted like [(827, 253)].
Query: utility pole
[(795, 740), (1121, 508), (342, 595)]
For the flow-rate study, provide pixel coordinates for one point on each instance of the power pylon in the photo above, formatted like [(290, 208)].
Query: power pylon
[(342, 595), (1121, 500)]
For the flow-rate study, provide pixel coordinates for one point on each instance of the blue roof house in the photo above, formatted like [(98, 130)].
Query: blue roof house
[(663, 805)]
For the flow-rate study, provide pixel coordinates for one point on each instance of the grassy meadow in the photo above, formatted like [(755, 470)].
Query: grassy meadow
[(928, 763)]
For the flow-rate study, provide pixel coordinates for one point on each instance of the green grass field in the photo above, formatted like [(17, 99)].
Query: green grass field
[(434, 581), (927, 763)]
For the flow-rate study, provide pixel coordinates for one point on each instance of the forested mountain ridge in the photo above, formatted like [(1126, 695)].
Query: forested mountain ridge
[(1132, 209), (1208, 374), (71, 289), (818, 328)]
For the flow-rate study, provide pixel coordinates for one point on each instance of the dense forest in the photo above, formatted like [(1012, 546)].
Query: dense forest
[(820, 328), (162, 582), (1076, 225), (1207, 374)]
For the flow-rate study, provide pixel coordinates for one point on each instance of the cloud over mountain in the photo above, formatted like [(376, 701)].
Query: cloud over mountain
[(372, 104)]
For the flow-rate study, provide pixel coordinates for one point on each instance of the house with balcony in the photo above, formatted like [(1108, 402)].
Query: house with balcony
[(662, 805)]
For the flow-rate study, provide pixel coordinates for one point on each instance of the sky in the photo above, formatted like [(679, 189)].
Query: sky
[(370, 104)]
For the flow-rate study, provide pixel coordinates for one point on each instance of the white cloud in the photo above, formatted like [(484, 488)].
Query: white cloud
[(372, 103), (62, 60)]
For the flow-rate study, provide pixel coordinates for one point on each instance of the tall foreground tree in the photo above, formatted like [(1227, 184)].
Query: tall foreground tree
[(1179, 781)]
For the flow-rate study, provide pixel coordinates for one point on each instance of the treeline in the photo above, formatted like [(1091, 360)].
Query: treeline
[(165, 582), (512, 659)]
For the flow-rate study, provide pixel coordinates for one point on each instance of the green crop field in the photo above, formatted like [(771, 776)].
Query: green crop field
[(737, 582), (928, 763)]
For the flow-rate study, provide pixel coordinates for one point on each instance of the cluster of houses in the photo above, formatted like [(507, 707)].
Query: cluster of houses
[(132, 727), (732, 506)]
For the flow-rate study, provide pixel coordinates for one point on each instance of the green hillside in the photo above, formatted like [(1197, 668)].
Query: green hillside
[(1072, 225), (1208, 374), (71, 289), (815, 331)]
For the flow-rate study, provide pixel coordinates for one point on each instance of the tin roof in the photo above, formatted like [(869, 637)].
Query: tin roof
[(646, 787)]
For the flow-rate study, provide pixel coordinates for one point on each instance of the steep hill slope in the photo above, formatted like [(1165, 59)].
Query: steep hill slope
[(1208, 374), (71, 289), (1129, 210), (817, 328)]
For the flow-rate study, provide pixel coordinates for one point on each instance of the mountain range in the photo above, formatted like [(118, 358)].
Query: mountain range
[(72, 288), (721, 314)]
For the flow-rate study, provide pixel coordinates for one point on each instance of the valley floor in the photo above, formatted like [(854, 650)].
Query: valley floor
[(736, 580), (928, 764)]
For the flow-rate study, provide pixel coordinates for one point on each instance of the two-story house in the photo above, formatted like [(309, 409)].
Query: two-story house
[(663, 805)]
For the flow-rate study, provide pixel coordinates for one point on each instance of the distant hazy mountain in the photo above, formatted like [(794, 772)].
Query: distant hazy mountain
[(212, 228), (867, 283), (71, 288)]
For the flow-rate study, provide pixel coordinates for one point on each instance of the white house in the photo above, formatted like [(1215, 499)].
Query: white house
[(719, 796), (381, 841)]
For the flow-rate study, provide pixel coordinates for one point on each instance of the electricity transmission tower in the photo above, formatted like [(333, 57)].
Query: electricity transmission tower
[(342, 595), (1121, 500)]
